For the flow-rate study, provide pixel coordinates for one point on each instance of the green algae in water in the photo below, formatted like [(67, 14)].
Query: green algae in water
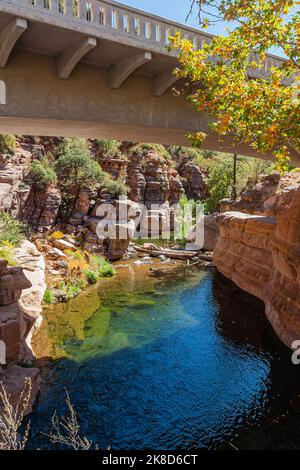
[(118, 313), (196, 369)]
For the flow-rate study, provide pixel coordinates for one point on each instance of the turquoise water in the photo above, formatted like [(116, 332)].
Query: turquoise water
[(179, 363)]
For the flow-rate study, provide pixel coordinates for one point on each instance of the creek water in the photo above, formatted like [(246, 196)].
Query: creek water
[(182, 362)]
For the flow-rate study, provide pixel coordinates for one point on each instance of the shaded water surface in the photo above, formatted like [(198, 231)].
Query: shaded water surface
[(183, 362)]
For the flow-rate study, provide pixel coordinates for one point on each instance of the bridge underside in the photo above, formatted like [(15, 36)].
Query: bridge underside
[(39, 103), (111, 92)]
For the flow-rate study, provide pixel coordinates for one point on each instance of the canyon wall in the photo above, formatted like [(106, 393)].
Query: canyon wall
[(150, 176), (259, 249), (21, 292)]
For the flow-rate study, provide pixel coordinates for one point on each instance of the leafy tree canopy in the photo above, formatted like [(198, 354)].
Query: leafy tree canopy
[(263, 112), (76, 166)]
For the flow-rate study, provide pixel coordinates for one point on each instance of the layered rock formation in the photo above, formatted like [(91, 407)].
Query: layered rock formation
[(18, 196), (21, 292), (151, 178), (194, 181), (261, 253), (105, 226), (152, 181)]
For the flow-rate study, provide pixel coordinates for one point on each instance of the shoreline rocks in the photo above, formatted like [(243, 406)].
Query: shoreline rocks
[(261, 253)]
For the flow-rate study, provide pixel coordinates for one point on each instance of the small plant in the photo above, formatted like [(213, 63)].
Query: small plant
[(106, 270), (8, 143), (91, 276), (71, 288), (49, 297), (142, 150), (101, 266), (7, 253), (42, 174), (11, 230), (108, 148), (186, 216), (65, 429), (12, 417), (116, 188)]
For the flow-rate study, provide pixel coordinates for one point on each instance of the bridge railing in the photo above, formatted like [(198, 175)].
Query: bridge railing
[(110, 16), (120, 18)]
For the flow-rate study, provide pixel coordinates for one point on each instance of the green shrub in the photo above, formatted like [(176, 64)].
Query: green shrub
[(8, 143), (7, 253), (103, 267), (91, 276), (11, 230), (108, 148), (220, 181), (71, 288), (76, 166), (184, 154), (186, 216), (49, 297), (116, 188), (42, 174), (106, 270)]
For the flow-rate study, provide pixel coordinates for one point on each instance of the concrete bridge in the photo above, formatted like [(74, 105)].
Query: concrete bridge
[(91, 68)]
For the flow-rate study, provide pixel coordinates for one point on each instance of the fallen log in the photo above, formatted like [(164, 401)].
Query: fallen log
[(174, 254)]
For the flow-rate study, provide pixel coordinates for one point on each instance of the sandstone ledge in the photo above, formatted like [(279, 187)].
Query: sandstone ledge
[(261, 254), (21, 292)]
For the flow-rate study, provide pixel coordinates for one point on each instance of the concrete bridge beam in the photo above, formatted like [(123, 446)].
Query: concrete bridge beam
[(8, 38), (161, 83), (121, 71), (72, 56)]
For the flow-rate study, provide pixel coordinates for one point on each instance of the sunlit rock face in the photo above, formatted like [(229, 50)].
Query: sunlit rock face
[(21, 292), (194, 181), (152, 180), (261, 253)]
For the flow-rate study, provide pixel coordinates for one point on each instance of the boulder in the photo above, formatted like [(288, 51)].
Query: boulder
[(13, 378)]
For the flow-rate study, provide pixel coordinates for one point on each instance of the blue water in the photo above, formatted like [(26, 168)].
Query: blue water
[(175, 364)]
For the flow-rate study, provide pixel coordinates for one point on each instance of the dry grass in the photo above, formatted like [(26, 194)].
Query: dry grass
[(11, 418), (65, 429)]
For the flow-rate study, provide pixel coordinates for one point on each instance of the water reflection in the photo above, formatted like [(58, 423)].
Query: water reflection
[(173, 364)]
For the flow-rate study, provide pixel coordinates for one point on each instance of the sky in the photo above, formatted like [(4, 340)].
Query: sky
[(175, 10)]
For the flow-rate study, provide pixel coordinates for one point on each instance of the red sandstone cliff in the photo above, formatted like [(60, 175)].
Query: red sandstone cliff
[(21, 292), (260, 251)]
